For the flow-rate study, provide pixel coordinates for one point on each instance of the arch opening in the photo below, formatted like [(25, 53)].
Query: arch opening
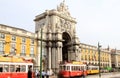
[(65, 49)]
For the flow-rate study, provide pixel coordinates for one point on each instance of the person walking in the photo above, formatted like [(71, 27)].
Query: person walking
[(83, 73), (43, 74), (48, 73), (29, 72), (37, 74)]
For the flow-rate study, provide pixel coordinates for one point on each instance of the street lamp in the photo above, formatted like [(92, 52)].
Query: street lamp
[(41, 57), (99, 59)]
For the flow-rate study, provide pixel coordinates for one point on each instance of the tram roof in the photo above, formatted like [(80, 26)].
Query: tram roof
[(14, 59), (74, 63)]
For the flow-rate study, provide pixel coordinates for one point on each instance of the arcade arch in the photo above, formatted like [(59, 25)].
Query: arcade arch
[(66, 44)]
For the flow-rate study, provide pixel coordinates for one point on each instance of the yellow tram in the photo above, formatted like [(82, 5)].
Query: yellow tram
[(92, 69)]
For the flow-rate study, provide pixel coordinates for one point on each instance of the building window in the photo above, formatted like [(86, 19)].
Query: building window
[(32, 41), (13, 38), (32, 51), (13, 48), (23, 40), (1, 47), (81, 57), (23, 50), (2, 36)]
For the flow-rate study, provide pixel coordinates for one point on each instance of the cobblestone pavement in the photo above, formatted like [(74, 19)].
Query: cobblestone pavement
[(103, 75), (53, 76), (106, 75)]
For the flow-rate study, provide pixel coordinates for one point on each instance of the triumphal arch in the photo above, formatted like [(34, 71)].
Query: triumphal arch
[(59, 40)]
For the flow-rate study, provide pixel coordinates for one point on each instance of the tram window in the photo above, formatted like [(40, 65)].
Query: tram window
[(64, 67), (6, 68), (85, 67), (97, 67), (82, 68), (1, 68), (72, 68), (90, 68), (12, 68), (60, 67), (23, 68), (77, 67), (68, 67), (30, 66), (17, 68)]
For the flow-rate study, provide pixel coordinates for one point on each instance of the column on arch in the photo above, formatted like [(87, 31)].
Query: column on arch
[(53, 64), (59, 50), (49, 54)]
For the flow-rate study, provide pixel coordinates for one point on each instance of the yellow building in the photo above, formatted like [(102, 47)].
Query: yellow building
[(90, 55), (17, 42), (105, 58), (115, 58)]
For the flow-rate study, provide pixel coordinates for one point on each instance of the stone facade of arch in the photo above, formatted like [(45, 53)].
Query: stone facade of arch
[(53, 24)]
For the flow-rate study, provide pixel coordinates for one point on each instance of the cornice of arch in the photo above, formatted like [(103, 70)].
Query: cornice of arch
[(56, 13)]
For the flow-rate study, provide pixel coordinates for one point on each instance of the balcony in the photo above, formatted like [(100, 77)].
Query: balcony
[(32, 55)]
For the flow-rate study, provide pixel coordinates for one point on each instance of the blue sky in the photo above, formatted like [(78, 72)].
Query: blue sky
[(97, 20)]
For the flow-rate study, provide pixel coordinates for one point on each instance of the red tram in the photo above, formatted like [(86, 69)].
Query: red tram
[(13, 67), (75, 69)]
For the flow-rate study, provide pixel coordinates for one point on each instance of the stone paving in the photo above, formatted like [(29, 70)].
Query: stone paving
[(106, 75), (103, 75)]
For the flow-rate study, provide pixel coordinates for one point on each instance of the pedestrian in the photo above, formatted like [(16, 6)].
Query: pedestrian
[(43, 74), (83, 73), (29, 72), (37, 74), (48, 73)]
